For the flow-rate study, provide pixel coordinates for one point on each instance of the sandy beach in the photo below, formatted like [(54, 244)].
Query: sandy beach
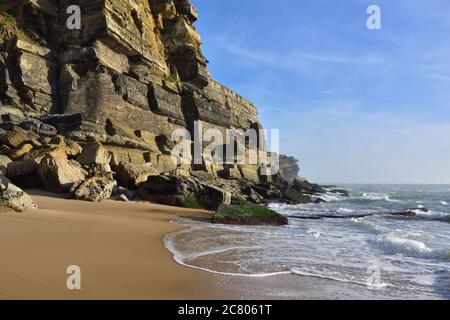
[(118, 246)]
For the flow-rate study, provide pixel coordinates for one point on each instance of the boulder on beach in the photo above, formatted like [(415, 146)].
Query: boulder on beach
[(96, 189), (132, 174), (94, 153), (58, 174), (12, 197)]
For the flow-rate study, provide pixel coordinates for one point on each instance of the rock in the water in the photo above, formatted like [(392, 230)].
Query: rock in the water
[(319, 200), (57, 174), (14, 198), (248, 214), (306, 187), (341, 192), (131, 174), (297, 197), (96, 189), (183, 191)]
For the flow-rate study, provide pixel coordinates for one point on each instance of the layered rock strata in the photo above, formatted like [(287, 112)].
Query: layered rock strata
[(80, 105), (132, 75)]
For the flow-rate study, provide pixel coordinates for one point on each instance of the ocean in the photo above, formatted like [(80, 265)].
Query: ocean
[(361, 249)]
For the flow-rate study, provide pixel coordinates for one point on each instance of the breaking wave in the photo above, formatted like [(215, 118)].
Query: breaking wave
[(395, 244)]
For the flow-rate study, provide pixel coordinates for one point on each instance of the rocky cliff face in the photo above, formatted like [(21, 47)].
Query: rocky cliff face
[(89, 110), (289, 168), (132, 74)]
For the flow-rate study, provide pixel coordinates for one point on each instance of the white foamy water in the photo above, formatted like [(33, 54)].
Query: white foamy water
[(412, 254)]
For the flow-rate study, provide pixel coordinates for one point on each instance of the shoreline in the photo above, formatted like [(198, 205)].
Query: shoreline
[(120, 249), (118, 246)]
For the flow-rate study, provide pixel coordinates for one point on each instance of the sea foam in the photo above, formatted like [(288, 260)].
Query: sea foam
[(393, 243)]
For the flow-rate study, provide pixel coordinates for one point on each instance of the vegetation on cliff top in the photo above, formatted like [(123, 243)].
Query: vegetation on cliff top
[(248, 214)]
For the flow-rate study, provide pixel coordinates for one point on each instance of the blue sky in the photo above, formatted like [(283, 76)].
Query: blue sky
[(354, 105)]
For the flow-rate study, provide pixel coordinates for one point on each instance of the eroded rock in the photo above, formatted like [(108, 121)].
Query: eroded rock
[(96, 189), (183, 191), (131, 174), (58, 174), (14, 198)]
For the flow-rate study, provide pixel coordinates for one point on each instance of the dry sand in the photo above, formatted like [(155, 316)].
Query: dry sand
[(118, 246)]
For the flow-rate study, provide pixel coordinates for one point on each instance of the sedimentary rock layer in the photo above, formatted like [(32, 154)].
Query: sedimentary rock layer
[(128, 78)]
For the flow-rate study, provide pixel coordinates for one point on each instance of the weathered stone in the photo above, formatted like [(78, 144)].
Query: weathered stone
[(132, 91), (133, 75), (63, 122), (96, 189), (22, 168), (165, 103), (131, 175), (23, 150), (36, 143), (72, 148), (94, 153), (177, 191), (4, 161), (14, 198), (250, 173), (166, 164), (57, 174), (207, 111), (230, 172), (5, 149), (304, 186), (125, 155), (38, 154), (252, 195), (17, 136), (38, 127)]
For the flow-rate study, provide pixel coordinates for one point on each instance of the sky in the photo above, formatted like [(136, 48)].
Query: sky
[(353, 105)]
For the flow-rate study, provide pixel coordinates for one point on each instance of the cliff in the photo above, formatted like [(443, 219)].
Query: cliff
[(114, 90), (136, 63)]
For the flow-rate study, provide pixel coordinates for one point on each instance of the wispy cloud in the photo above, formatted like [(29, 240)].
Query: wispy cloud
[(439, 77), (301, 61)]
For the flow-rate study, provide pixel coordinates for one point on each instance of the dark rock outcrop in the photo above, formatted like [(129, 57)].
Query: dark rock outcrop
[(248, 214), (177, 191)]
